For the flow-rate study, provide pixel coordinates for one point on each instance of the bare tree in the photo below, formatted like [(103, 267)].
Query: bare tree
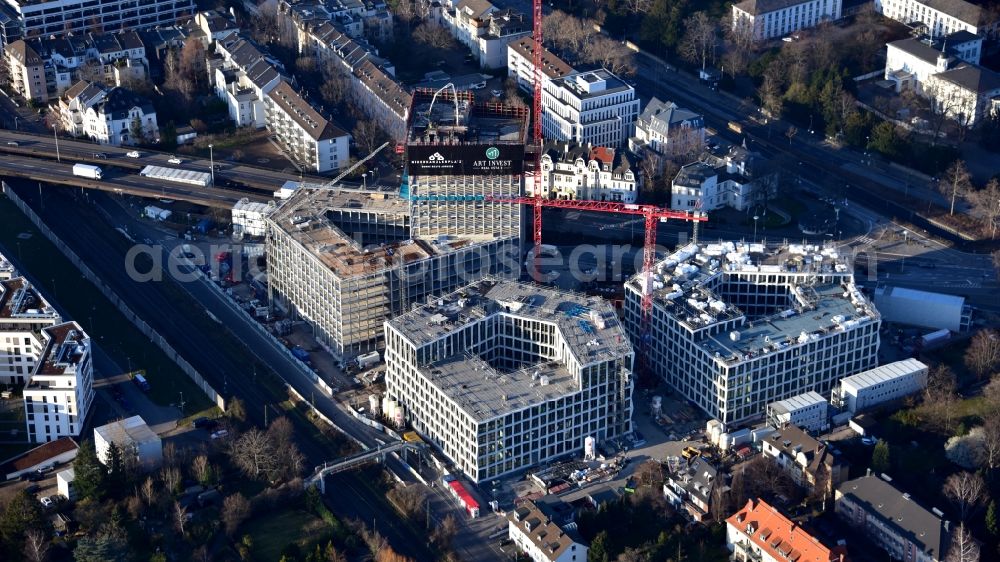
[(289, 460), (991, 440), (368, 136), (201, 469), (610, 54), (134, 507), (567, 33), (36, 545), (171, 477), (983, 353), (965, 490), (941, 383), (963, 547), (790, 133), (235, 510), (180, 517), (770, 92), (649, 473), (700, 41), (148, 491), (957, 183), (433, 35), (444, 533), (253, 453), (986, 203), (409, 499)]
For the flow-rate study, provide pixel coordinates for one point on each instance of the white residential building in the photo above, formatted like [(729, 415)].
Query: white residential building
[(134, 439), (738, 326), (938, 17), (809, 410), (486, 30), (592, 107), (767, 19), (24, 313), (667, 129), (108, 116), (7, 269), (249, 218), (503, 376), (521, 64), (243, 80), (570, 171), (44, 18), (882, 384), (808, 461), (58, 396), (759, 532), (738, 180), (309, 139), (541, 538)]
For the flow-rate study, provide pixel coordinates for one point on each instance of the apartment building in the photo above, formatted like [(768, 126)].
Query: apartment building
[(666, 129), (243, 77), (594, 173), (115, 116), (810, 463), (692, 487), (486, 30), (58, 396), (23, 19), (759, 532), (27, 72), (458, 152), (311, 140), (503, 376), (943, 71), (737, 326), (739, 180), (543, 539), (215, 25), (809, 411), (892, 519), (24, 313), (767, 19), (521, 64), (938, 18), (890, 382), (593, 107), (359, 18), (346, 260)]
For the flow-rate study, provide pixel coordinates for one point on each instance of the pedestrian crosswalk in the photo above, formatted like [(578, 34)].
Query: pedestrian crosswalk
[(864, 241)]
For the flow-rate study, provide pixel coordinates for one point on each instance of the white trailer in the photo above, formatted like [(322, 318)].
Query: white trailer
[(368, 360), (87, 171)]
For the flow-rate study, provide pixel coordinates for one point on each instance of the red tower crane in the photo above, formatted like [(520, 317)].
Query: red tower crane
[(536, 107)]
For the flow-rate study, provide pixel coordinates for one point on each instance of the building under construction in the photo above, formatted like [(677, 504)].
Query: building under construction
[(459, 152)]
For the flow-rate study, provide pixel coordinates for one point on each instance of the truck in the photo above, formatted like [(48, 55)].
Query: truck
[(141, 382), (87, 171), (368, 360)]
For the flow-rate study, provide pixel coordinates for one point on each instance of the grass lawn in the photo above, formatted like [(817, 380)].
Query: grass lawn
[(274, 531), (112, 332)]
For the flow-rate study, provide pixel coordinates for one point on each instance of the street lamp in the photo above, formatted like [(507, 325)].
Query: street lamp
[(755, 217), (211, 160)]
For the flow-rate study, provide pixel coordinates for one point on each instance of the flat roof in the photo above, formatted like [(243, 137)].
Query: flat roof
[(20, 301), (176, 174), (887, 372), (68, 345), (433, 121), (798, 402), (612, 84), (127, 431)]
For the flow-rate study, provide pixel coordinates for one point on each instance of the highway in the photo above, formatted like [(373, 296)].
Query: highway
[(44, 146), (51, 172)]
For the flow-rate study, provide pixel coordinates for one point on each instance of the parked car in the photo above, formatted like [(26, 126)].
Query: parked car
[(220, 434), (496, 93), (101, 155), (46, 501), (133, 154), (13, 143), (174, 160)]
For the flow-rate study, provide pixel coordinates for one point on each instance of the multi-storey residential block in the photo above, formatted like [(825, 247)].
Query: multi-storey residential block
[(666, 129), (117, 116), (543, 539), (27, 71), (693, 487), (597, 173), (24, 313), (521, 64), (243, 78), (458, 152), (503, 376), (486, 30), (939, 17), (766, 19), (737, 326), (881, 384), (41, 18), (215, 25), (739, 180), (593, 107), (58, 396), (810, 463), (758, 532), (809, 411), (892, 519), (345, 261), (310, 139)]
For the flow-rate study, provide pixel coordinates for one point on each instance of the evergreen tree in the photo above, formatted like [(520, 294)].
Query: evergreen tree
[(991, 518), (90, 473), (880, 457), (22, 513), (138, 135), (117, 475), (598, 548)]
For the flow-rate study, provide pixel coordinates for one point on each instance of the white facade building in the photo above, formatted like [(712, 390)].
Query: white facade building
[(486, 30), (521, 64), (58, 396), (882, 384), (249, 217), (914, 307), (243, 79), (113, 117), (503, 376), (738, 180), (735, 327), (592, 107), (134, 438), (308, 138), (24, 313), (767, 19), (541, 538), (809, 411), (570, 171), (938, 17), (666, 129), (64, 483)]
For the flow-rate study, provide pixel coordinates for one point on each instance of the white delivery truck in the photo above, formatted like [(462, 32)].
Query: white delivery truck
[(368, 360), (87, 171)]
